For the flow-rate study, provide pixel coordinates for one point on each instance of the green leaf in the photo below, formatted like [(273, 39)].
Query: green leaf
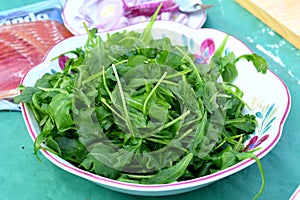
[(88, 128), (97, 167), (101, 159), (171, 173), (225, 159), (259, 62), (102, 113), (221, 48), (229, 73), (199, 135), (146, 34), (187, 94), (246, 123), (40, 139), (136, 60), (52, 144), (26, 95), (69, 147), (158, 113), (60, 110)]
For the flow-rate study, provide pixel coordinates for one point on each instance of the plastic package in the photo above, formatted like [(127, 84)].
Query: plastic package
[(44, 10), (24, 39)]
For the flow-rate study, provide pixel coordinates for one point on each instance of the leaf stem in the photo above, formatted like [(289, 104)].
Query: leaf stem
[(90, 78), (247, 155), (53, 90), (126, 117), (152, 92), (163, 81), (174, 121), (115, 112), (185, 134), (184, 72), (239, 144), (177, 119), (259, 165), (191, 122), (146, 36), (105, 84), (191, 62), (157, 141)]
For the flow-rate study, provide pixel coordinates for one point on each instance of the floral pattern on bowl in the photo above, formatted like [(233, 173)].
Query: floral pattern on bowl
[(265, 116)]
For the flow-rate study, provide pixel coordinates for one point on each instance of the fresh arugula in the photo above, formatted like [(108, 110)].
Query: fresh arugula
[(140, 110)]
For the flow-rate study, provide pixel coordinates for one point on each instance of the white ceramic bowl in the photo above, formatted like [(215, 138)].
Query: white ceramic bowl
[(271, 108)]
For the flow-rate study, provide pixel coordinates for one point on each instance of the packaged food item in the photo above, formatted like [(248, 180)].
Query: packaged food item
[(44, 10), (26, 34)]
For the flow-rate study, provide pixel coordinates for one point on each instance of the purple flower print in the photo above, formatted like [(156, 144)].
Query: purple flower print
[(254, 142), (62, 61), (207, 49)]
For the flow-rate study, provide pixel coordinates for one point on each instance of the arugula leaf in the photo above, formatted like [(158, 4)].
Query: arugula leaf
[(226, 65), (100, 159), (225, 158), (259, 62), (60, 110), (170, 174), (26, 95), (146, 34)]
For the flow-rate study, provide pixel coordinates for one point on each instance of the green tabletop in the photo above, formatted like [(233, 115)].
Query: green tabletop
[(23, 177)]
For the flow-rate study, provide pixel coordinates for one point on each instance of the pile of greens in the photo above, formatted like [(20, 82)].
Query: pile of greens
[(140, 110)]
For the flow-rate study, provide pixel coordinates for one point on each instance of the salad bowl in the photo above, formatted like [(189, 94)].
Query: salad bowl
[(270, 108)]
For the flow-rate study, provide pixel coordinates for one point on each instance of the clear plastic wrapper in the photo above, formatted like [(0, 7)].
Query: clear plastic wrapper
[(26, 33)]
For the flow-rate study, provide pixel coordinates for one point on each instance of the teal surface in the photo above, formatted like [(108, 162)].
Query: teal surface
[(23, 177)]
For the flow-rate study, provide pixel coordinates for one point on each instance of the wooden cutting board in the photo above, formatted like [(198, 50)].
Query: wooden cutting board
[(283, 16)]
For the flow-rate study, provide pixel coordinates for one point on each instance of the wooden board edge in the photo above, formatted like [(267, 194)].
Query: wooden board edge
[(262, 15)]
